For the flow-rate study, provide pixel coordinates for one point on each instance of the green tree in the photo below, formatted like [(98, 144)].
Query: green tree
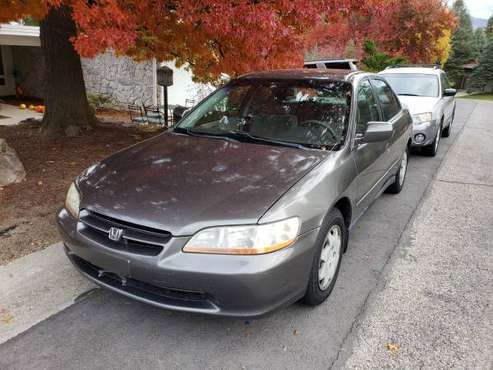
[(482, 77), (489, 29), (462, 44), (376, 61), (479, 42)]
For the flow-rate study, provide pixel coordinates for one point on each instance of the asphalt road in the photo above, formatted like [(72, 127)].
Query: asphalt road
[(104, 330)]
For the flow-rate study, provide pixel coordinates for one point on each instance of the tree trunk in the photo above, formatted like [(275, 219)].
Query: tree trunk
[(67, 109)]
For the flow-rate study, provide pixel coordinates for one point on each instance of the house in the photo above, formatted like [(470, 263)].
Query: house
[(121, 78)]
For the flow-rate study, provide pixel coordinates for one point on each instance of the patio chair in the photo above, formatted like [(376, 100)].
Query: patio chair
[(153, 114), (136, 115)]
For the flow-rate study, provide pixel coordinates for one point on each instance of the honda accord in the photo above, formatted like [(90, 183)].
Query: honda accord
[(244, 206)]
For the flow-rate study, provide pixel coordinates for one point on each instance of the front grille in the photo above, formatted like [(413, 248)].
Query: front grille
[(134, 239), (163, 296)]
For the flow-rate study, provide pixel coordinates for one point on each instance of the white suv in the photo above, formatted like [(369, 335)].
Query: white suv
[(425, 91)]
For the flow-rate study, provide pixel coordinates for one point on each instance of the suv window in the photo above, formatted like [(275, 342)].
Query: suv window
[(387, 99), (337, 65), (367, 107)]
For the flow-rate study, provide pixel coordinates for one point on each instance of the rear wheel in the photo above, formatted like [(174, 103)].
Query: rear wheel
[(331, 243), (432, 149), (400, 177)]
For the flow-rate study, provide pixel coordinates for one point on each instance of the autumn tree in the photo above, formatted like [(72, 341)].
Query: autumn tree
[(462, 44), (211, 36), (418, 30)]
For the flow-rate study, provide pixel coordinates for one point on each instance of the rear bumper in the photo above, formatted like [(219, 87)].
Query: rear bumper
[(243, 286)]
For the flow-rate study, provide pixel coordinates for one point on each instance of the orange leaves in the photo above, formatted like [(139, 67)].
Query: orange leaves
[(411, 28)]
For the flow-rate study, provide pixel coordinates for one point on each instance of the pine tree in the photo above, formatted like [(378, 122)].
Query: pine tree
[(489, 29), (479, 42), (462, 44), (482, 77)]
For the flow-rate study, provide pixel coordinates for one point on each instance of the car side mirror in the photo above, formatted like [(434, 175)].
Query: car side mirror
[(376, 132), (449, 92)]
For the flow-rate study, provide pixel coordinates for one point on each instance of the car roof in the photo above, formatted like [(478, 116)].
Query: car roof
[(420, 70), (302, 73)]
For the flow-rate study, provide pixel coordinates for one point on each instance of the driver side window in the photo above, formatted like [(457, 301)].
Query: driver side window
[(367, 109)]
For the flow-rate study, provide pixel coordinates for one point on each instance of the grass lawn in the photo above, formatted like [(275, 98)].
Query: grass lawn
[(488, 97)]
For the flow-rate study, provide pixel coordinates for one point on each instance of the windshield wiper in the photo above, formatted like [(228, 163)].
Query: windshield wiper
[(250, 137), (190, 132), (409, 95)]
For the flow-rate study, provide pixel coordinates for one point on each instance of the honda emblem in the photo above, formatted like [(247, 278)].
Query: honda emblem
[(115, 234)]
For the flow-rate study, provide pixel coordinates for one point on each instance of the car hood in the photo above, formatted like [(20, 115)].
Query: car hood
[(182, 184), (419, 104)]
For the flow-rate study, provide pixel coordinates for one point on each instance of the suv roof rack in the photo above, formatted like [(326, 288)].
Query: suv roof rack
[(434, 66)]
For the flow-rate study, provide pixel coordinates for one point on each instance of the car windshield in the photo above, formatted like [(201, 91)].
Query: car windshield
[(307, 113), (413, 84)]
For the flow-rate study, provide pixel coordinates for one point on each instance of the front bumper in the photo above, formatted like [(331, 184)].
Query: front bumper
[(227, 285), (428, 129)]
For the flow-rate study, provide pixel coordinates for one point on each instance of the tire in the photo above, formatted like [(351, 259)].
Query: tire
[(432, 149), (319, 289), (400, 176), (446, 131)]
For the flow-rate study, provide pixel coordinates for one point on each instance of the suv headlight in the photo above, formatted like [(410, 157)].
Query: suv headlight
[(249, 239), (72, 201), (422, 118)]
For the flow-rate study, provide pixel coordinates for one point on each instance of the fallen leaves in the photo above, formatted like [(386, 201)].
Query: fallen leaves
[(393, 348)]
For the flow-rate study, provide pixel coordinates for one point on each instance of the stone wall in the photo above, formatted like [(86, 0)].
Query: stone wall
[(124, 80), (29, 66)]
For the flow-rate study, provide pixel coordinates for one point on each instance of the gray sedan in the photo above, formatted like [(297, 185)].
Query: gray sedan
[(245, 205)]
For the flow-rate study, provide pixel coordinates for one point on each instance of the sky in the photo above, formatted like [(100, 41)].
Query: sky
[(480, 8)]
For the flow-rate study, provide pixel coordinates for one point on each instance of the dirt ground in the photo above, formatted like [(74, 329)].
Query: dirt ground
[(27, 210)]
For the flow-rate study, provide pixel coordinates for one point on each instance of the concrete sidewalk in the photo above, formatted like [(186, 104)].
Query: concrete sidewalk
[(34, 287), (434, 308)]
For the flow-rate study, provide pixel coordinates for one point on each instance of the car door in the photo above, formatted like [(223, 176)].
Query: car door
[(447, 102), (393, 114), (368, 157)]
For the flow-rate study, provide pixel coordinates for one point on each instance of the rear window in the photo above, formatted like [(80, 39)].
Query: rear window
[(337, 65)]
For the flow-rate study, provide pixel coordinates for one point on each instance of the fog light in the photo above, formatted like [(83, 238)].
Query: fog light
[(419, 138)]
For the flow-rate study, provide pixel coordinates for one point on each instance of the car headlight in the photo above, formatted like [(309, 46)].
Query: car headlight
[(249, 239), (422, 117), (72, 201)]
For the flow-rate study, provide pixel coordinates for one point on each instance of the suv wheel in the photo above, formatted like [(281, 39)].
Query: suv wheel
[(400, 177), (331, 244), (446, 131), (432, 149)]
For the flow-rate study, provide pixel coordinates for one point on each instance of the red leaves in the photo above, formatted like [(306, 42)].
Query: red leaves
[(238, 36)]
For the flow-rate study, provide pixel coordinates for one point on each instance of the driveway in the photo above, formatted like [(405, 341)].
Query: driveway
[(104, 330)]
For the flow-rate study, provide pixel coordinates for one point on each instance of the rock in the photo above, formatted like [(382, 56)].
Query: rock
[(11, 168)]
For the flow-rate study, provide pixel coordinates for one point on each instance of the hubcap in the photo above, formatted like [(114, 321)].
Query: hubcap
[(329, 257), (403, 169)]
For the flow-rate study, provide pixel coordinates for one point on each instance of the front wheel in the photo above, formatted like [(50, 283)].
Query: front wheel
[(400, 177), (446, 131), (432, 149), (331, 244)]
